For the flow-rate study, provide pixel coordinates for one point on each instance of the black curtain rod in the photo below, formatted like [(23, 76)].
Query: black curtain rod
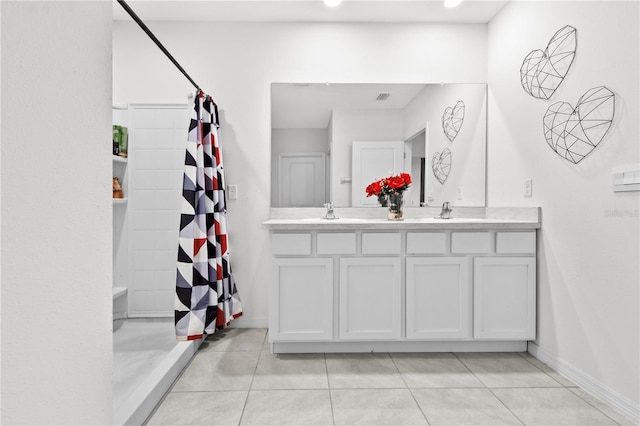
[(146, 29)]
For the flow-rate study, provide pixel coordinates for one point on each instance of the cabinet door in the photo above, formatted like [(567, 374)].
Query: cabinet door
[(438, 298), (301, 300), (504, 298), (370, 298)]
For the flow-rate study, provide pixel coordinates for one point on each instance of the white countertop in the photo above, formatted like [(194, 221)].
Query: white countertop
[(416, 219)]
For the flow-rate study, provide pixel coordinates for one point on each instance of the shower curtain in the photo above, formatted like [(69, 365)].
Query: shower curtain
[(206, 295)]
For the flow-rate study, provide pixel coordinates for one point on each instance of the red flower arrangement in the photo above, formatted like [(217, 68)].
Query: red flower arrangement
[(389, 192), (389, 185)]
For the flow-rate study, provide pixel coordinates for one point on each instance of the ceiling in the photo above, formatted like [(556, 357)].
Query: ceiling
[(295, 105), (375, 11), (310, 106)]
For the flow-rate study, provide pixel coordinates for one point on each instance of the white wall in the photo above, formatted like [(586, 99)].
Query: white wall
[(588, 276), (56, 219), (236, 63)]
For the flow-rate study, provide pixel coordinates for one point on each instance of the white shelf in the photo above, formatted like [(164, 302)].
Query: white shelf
[(117, 159), (120, 200)]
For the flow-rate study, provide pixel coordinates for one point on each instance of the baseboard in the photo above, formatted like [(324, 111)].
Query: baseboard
[(398, 346), (590, 385), (243, 322)]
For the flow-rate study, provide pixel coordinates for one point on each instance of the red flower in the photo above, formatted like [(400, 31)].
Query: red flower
[(396, 182), (389, 185), (374, 188), (406, 177)]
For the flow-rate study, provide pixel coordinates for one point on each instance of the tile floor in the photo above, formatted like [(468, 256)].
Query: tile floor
[(235, 380)]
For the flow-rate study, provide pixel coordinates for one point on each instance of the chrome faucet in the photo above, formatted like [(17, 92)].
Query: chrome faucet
[(445, 213), (330, 214)]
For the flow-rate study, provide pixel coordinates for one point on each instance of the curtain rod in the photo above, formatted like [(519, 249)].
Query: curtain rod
[(146, 29)]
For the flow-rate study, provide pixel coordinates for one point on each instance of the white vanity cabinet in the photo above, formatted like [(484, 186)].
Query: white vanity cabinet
[(402, 287)]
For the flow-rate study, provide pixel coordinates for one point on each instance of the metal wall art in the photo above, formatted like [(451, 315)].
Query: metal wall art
[(441, 165), (542, 72), (574, 132), (452, 120)]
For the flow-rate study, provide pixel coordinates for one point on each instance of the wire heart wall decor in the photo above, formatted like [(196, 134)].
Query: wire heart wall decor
[(574, 132), (441, 165), (542, 72), (452, 120)]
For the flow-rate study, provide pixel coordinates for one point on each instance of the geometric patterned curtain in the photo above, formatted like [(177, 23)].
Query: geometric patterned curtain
[(206, 294)]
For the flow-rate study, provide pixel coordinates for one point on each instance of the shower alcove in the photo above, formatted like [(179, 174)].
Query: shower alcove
[(147, 357)]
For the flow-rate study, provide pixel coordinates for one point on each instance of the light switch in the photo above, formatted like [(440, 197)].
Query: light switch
[(628, 180), (430, 197), (232, 192), (528, 187)]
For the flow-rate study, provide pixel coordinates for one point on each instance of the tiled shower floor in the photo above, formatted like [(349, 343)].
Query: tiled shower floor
[(233, 379)]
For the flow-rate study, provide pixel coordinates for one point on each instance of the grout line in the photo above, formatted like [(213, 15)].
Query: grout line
[(488, 388), (253, 376), (589, 403), (523, 357), (506, 406), (326, 369), (410, 390), (469, 369)]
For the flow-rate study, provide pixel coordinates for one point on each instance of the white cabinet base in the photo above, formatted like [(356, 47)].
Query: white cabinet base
[(397, 346)]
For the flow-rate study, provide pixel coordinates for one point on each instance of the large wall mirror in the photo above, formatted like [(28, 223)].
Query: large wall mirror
[(435, 132)]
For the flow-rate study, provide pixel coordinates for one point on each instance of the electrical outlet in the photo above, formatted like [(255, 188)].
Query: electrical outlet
[(430, 197), (528, 187), (232, 192)]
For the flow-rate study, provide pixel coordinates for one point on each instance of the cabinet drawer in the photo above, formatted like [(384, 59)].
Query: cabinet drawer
[(291, 244), (426, 242), (381, 243), (470, 242), (336, 243), (516, 242)]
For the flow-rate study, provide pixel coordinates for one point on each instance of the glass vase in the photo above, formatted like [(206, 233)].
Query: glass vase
[(395, 203)]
